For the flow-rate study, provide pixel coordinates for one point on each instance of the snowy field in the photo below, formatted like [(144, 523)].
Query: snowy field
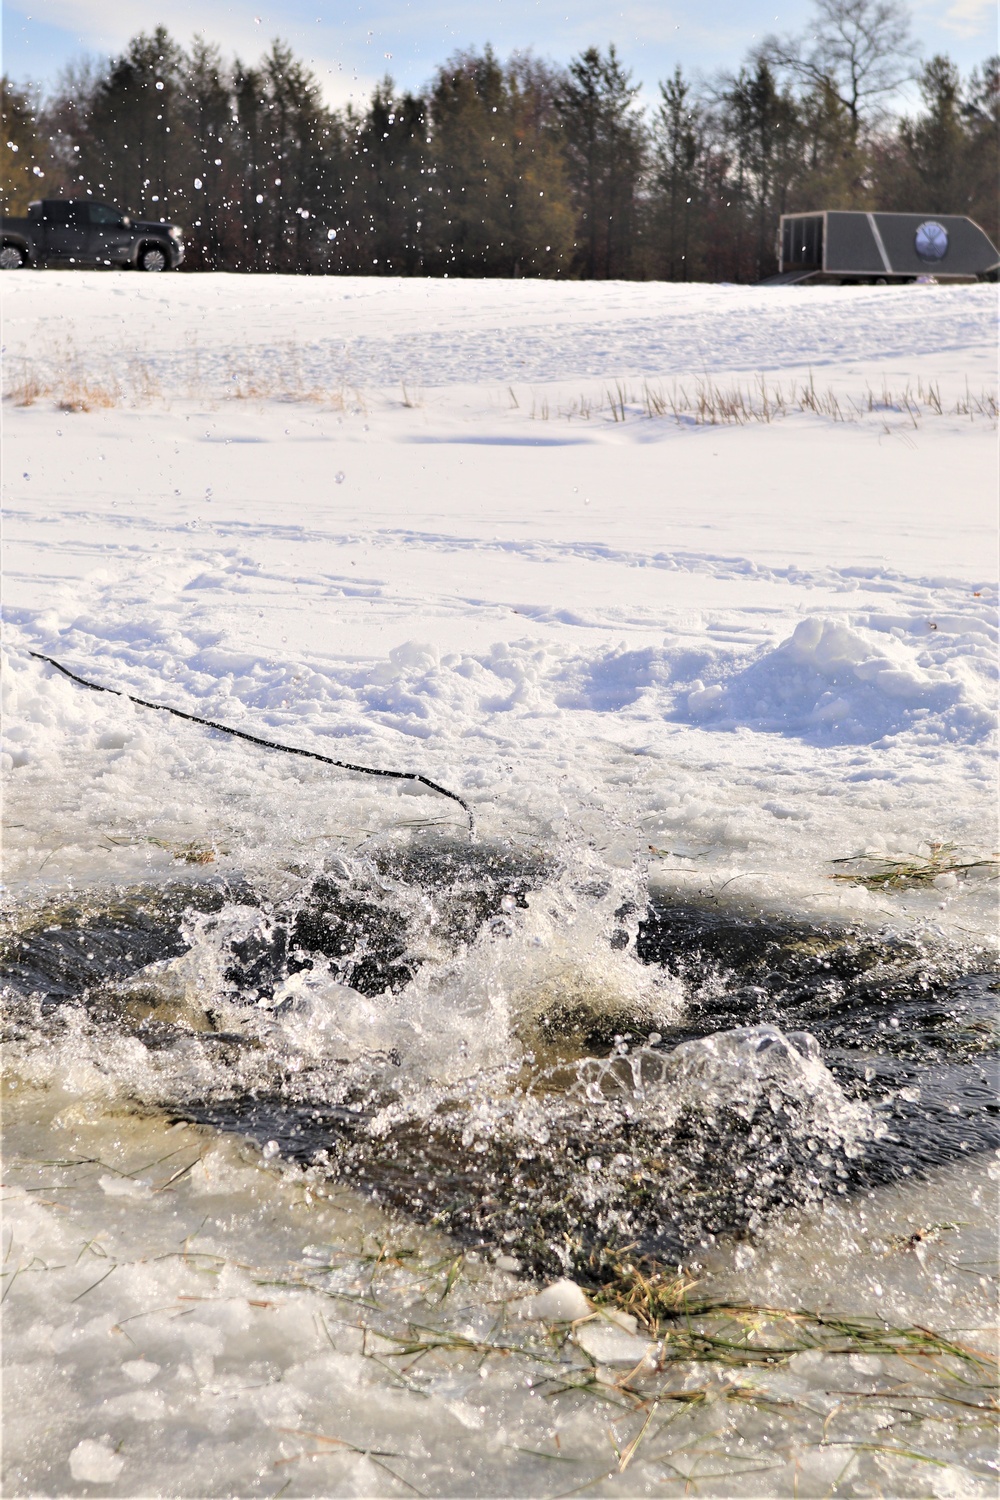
[(689, 591)]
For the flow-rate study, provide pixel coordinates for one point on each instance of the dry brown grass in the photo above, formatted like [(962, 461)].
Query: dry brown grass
[(706, 403), (25, 386), (70, 392), (70, 388), (73, 388), (80, 393), (60, 375)]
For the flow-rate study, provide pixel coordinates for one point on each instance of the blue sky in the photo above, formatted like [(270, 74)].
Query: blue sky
[(350, 45)]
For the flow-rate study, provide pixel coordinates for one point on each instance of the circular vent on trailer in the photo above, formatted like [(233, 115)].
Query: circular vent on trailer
[(931, 241)]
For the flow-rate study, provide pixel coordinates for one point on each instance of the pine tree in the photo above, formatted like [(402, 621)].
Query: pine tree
[(131, 144), (934, 144), (762, 122), (981, 113), (385, 192), (541, 217), (204, 107), (288, 142), (677, 197), (496, 202), (604, 141)]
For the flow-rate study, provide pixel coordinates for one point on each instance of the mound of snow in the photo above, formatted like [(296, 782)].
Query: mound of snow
[(851, 684)]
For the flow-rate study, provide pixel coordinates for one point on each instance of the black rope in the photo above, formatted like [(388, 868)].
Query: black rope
[(255, 739)]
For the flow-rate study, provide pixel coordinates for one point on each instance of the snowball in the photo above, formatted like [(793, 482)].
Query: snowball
[(94, 1462)]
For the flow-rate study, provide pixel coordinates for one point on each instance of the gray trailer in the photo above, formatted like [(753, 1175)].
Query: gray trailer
[(837, 245)]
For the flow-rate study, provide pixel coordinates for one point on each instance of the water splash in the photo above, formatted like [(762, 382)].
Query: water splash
[(480, 1038)]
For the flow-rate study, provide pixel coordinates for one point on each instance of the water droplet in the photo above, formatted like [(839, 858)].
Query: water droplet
[(338, 478)]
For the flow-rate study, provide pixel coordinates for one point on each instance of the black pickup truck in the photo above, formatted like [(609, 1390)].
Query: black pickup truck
[(80, 232)]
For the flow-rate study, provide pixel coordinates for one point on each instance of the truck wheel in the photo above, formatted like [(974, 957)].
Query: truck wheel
[(12, 258), (153, 258)]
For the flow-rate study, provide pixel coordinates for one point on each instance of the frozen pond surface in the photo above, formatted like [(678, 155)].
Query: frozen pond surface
[(185, 1322), (307, 1096)]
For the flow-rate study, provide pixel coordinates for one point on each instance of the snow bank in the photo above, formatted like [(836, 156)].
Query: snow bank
[(845, 683)]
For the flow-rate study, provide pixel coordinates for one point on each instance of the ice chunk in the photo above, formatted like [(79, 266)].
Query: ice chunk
[(612, 1346), (124, 1187)]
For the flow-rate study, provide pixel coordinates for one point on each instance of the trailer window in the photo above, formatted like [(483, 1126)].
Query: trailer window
[(802, 241)]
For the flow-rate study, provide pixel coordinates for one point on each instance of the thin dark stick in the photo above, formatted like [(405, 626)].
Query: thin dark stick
[(255, 739)]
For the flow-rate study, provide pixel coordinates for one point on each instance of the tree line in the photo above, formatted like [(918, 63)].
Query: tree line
[(516, 167)]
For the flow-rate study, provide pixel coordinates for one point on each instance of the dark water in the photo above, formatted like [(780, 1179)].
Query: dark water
[(806, 1059)]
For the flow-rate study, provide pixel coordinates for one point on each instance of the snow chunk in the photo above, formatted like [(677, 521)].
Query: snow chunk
[(93, 1462), (560, 1302)]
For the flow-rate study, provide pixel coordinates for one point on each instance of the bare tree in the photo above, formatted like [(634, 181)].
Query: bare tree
[(861, 49)]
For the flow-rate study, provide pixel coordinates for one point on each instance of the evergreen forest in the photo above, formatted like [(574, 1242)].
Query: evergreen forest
[(516, 167)]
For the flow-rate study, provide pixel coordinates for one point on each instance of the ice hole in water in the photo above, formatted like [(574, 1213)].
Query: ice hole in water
[(528, 1055)]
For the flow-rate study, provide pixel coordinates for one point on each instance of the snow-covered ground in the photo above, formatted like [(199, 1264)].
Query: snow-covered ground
[(703, 578)]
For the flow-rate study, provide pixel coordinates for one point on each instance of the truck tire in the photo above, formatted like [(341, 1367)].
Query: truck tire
[(12, 258), (154, 258)]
